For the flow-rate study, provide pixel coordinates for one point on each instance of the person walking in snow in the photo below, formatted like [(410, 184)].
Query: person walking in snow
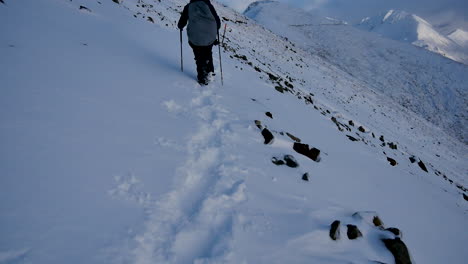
[(202, 29)]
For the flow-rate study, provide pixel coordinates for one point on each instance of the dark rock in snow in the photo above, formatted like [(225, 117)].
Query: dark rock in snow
[(398, 250), (362, 129), (258, 123), (279, 89), (277, 161), (395, 231), (392, 145), (293, 137), (352, 138), (305, 177), (116, 1), (269, 115), (422, 166), (353, 232), (465, 197), (85, 8), (382, 138), (335, 230), (412, 159), (392, 161), (291, 161), (304, 149), (351, 123), (1, 1), (268, 136), (150, 19), (377, 221)]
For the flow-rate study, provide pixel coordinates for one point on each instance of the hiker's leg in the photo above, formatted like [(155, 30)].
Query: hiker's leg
[(198, 52), (209, 56)]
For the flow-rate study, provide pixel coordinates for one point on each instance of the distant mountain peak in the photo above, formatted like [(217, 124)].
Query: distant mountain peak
[(407, 27)]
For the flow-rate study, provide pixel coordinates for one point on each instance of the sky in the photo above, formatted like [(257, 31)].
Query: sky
[(451, 13)]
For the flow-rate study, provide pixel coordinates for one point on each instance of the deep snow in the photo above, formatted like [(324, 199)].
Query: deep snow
[(110, 154)]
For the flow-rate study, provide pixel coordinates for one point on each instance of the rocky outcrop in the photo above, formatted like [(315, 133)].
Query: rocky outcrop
[(399, 250), (335, 230), (353, 232), (268, 136), (312, 153)]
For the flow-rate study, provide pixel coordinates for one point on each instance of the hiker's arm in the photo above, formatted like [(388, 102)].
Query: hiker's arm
[(183, 18), (213, 11)]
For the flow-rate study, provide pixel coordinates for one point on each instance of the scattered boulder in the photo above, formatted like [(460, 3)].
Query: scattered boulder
[(362, 129), (382, 138), (268, 136), (351, 123), (293, 137), (279, 89), (335, 230), (392, 161), (377, 221), (258, 123), (412, 159), (305, 177), (269, 115), (313, 154), (277, 161), (291, 161), (271, 76), (392, 145), (398, 250), (353, 232), (85, 8), (422, 166), (395, 231), (465, 197), (352, 138), (150, 19), (1, 1), (116, 1)]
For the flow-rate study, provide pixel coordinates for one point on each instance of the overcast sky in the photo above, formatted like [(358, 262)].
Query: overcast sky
[(437, 12)]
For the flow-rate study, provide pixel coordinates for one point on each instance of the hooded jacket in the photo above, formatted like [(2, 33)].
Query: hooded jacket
[(203, 22)]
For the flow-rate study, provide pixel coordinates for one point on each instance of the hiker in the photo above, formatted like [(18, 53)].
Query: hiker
[(203, 25)]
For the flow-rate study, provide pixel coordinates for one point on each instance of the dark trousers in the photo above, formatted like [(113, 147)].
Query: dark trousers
[(204, 60)]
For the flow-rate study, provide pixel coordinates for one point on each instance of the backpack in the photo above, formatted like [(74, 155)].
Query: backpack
[(202, 27)]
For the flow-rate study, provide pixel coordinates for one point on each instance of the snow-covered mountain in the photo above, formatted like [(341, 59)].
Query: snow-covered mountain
[(460, 37), (111, 154), (406, 27), (426, 83)]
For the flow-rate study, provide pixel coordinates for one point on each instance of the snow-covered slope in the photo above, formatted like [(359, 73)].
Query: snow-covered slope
[(111, 154), (423, 82), (406, 27), (460, 37)]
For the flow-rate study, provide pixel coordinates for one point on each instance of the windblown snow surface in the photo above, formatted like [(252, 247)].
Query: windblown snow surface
[(111, 154)]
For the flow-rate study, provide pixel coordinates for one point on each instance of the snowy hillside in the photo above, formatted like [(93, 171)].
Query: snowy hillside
[(460, 37), (430, 85), (410, 28), (111, 154)]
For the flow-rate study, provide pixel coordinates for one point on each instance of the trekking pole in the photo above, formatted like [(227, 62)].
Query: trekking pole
[(181, 54), (224, 34), (220, 64)]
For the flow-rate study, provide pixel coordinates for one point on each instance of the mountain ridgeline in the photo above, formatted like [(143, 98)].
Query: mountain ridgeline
[(428, 84)]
